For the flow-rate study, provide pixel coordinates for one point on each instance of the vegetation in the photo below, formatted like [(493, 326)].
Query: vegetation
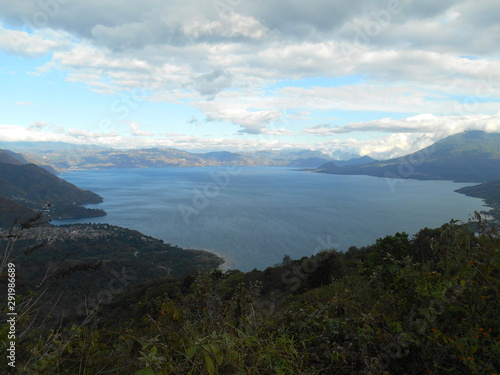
[(490, 192), (13, 212), (31, 186), (426, 304), (86, 265)]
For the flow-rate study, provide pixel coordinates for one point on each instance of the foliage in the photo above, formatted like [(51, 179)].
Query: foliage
[(420, 305), (84, 266)]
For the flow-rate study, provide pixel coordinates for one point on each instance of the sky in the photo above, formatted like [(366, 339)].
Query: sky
[(371, 77)]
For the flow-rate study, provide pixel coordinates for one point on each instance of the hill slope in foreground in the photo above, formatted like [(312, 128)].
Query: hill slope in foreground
[(422, 305), (472, 156)]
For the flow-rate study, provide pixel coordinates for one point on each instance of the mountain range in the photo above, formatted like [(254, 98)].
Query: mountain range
[(87, 157), (472, 156)]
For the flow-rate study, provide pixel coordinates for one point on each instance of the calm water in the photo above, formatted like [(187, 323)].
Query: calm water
[(253, 216)]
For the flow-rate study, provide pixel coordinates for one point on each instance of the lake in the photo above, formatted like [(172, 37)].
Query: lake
[(253, 216)]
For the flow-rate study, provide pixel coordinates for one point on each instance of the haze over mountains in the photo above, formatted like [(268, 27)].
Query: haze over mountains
[(87, 157), (472, 156)]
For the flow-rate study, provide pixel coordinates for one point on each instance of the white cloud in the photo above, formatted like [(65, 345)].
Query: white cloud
[(253, 117), (137, 132), (15, 133), (424, 123), (230, 25), (31, 44), (387, 147), (86, 56)]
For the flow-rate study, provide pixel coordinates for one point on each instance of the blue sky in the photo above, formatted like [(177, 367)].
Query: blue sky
[(382, 78)]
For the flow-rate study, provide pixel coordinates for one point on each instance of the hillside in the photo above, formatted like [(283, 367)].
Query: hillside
[(12, 212), (472, 156), (10, 157), (426, 304), (31, 186), (489, 192), (88, 256)]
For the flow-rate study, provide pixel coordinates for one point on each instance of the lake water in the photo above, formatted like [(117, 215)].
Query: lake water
[(254, 216)]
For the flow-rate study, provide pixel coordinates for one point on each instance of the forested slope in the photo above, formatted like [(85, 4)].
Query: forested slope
[(405, 305)]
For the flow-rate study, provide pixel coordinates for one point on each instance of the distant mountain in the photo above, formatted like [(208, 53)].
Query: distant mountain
[(66, 159), (25, 187), (472, 156), (9, 157), (355, 161), (308, 163)]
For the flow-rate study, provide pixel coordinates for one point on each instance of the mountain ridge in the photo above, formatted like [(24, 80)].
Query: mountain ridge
[(472, 156), (69, 159), (26, 188)]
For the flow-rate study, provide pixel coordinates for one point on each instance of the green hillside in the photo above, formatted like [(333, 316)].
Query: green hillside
[(426, 304), (81, 259), (34, 187), (490, 193)]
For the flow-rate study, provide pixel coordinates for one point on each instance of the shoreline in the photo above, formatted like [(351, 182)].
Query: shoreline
[(489, 193)]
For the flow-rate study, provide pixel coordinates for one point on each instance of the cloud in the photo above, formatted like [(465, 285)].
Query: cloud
[(129, 25), (404, 136), (136, 132), (38, 125), (202, 48), (89, 136), (425, 123), (229, 25), (243, 63), (15, 133), (250, 121), (382, 148), (31, 44), (280, 131), (24, 103), (211, 83), (320, 130), (302, 115)]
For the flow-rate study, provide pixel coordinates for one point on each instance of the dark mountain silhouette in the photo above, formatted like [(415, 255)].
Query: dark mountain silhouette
[(25, 187)]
